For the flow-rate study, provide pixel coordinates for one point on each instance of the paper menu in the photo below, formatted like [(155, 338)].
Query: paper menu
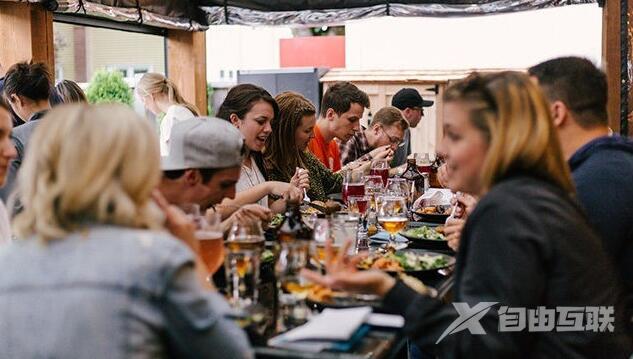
[(331, 324)]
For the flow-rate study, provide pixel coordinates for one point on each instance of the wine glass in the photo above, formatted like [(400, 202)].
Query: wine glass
[(380, 167), (357, 206), (398, 187), (321, 234), (353, 184), (243, 249), (392, 216), (292, 287), (373, 187)]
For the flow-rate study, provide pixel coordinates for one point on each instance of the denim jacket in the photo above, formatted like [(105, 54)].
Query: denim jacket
[(110, 292)]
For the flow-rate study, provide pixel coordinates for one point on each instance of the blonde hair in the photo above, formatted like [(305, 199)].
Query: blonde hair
[(512, 113), (156, 84), (88, 164)]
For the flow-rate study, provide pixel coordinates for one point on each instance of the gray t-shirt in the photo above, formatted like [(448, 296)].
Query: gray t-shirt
[(110, 292)]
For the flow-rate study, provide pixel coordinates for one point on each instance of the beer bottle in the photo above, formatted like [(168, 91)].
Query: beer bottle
[(293, 227), (414, 179)]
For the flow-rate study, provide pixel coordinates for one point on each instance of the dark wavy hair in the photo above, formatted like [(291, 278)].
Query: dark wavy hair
[(241, 99)]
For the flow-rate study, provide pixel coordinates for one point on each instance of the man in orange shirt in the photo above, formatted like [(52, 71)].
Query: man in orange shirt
[(341, 110)]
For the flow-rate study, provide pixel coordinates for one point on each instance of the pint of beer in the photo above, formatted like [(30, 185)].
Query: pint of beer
[(211, 243)]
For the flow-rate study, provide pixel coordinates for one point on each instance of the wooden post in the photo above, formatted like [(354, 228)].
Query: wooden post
[(186, 65), (611, 58), (630, 63), (26, 33)]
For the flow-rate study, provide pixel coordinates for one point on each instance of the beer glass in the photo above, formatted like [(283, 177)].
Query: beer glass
[(211, 241), (392, 216)]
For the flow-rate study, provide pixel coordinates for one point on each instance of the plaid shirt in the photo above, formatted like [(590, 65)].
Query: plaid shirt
[(356, 148)]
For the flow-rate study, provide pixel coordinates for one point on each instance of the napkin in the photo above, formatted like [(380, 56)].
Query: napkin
[(324, 331)]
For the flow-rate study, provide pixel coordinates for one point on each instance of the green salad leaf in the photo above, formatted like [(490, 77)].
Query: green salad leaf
[(424, 232)]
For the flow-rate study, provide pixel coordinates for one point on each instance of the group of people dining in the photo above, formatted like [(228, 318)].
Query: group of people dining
[(98, 260)]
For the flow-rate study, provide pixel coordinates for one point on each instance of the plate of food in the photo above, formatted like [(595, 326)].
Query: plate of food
[(320, 297), (433, 214), (418, 263), (426, 237)]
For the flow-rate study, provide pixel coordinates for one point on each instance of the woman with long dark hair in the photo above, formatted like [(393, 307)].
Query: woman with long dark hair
[(286, 148), (251, 109)]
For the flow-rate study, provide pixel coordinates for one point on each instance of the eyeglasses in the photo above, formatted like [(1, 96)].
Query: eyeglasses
[(393, 140)]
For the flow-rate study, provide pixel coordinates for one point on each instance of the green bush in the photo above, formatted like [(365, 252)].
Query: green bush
[(109, 87)]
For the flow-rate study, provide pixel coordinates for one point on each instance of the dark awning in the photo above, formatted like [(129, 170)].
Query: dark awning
[(327, 12), (197, 15)]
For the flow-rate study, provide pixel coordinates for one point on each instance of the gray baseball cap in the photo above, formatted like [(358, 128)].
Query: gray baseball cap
[(203, 142)]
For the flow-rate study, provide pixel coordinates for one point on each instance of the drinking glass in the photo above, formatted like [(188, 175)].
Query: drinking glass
[(321, 235), (243, 249), (357, 206), (423, 162), (380, 167), (353, 184), (373, 187), (211, 241), (392, 216), (343, 228), (192, 210), (292, 287), (398, 187)]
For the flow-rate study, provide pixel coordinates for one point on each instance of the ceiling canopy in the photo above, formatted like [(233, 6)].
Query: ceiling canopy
[(197, 15)]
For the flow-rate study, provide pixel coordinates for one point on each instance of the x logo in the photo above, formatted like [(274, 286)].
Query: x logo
[(468, 319)]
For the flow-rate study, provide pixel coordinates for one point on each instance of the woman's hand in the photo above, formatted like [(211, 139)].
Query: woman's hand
[(465, 204), (342, 274), (453, 232), (294, 195), (177, 222), (301, 179)]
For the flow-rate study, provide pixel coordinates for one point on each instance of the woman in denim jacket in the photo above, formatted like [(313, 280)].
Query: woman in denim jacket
[(95, 274)]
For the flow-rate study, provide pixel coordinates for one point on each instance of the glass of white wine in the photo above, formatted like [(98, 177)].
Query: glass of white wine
[(392, 216), (243, 249)]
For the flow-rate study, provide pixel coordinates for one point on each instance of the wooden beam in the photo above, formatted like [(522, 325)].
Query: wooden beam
[(186, 65), (611, 59), (26, 34), (630, 61)]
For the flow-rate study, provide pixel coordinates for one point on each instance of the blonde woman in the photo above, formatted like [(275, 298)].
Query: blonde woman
[(526, 245), (161, 96), (94, 271)]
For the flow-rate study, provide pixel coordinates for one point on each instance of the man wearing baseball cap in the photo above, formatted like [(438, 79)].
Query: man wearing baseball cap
[(412, 105), (203, 164)]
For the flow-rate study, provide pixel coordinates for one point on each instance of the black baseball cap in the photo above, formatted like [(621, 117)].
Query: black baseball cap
[(408, 97)]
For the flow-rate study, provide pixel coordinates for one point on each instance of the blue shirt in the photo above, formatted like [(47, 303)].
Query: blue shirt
[(110, 292)]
